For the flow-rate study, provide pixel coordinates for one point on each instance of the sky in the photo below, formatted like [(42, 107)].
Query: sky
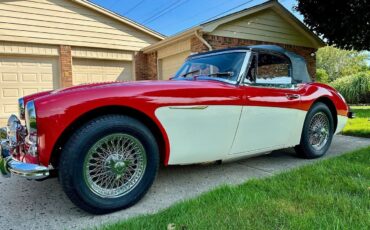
[(169, 17)]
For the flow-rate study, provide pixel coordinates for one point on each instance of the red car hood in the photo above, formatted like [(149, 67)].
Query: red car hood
[(169, 84), (143, 86)]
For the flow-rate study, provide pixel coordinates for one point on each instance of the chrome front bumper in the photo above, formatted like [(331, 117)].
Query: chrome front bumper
[(9, 166)]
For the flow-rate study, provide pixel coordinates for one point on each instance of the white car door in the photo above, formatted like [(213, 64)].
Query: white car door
[(270, 118), (199, 133)]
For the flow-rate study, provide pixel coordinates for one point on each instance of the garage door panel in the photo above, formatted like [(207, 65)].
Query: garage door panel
[(9, 77), (29, 77), (10, 92), (93, 71), (170, 65), (10, 108), (20, 76), (45, 77)]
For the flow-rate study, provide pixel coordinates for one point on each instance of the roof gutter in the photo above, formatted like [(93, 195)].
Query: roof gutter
[(170, 40), (203, 40)]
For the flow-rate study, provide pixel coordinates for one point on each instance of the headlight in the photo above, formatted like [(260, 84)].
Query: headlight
[(31, 125), (14, 128), (21, 108)]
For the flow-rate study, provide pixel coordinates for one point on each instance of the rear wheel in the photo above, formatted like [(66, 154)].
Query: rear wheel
[(317, 132), (109, 164)]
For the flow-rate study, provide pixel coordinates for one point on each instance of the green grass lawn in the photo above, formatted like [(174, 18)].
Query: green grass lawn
[(360, 126), (331, 194)]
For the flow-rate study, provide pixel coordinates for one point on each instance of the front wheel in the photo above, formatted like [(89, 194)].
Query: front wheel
[(317, 133), (109, 164)]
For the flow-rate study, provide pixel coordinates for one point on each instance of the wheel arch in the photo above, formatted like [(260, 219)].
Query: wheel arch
[(330, 104), (97, 112)]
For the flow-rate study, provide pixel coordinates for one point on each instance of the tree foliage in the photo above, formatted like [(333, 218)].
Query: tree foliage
[(343, 23), (338, 63)]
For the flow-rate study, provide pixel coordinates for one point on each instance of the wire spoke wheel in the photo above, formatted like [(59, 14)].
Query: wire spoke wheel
[(114, 165), (318, 132)]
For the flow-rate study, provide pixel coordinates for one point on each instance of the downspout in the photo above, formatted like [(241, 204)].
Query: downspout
[(203, 40)]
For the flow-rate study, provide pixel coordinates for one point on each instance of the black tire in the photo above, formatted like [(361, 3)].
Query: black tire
[(305, 149), (72, 159)]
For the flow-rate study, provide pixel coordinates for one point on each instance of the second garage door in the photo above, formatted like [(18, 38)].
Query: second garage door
[(171, 64), (93, 71), (20, 76)]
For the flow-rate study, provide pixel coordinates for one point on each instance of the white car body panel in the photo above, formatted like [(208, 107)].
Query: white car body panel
[(199, 133), (267, 128), (342, 121), (208, 133)]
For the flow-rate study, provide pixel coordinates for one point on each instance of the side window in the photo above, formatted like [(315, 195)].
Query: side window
[(270, 70)]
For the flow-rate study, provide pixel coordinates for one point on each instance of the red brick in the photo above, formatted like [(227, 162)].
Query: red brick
[(65, 58), (218, 42), (146, 66)]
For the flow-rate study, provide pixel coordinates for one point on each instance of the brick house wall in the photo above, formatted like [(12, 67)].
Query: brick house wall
[(218, 42), (150, 68), (65, 58), (146, 66)]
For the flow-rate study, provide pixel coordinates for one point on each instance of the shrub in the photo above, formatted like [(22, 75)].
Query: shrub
[(322, 76), (354, 88)]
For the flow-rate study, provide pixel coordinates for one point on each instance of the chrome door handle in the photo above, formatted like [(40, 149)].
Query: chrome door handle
[(292, 96)]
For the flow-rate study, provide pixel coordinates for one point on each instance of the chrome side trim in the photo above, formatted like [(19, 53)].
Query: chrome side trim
[(244, 68), (190, 107), (31, 124), (216, 53)]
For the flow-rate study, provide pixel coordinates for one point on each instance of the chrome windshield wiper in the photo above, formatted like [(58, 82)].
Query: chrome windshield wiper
[(191, 72), (228, 74)]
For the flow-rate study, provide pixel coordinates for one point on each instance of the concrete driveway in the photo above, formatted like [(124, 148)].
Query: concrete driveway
[(43, 205)]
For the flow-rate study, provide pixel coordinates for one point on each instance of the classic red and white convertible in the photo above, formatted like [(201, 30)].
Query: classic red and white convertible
[(106, 141)]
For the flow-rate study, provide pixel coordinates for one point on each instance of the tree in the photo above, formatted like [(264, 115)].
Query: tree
[(343, 23), (337, 63)]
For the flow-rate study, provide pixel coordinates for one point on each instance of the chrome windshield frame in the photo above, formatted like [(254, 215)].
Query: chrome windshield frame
[(242, 72)]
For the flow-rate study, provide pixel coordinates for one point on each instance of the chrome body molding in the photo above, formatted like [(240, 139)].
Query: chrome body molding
[(21, 107), (189, 107), (31, 125)]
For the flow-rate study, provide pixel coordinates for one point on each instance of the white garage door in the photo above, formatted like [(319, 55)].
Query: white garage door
[(93, 71), (171, 64), (20, 76)]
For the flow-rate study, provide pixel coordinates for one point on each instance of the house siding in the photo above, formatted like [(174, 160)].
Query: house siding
[(66, 23), (10, 48), (265, 26), (104, 54)]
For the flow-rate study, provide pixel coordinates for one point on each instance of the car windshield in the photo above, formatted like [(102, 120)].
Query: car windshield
[(223, 66)]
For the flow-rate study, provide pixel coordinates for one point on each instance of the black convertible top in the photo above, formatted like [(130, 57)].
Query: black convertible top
[(299, 66)]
